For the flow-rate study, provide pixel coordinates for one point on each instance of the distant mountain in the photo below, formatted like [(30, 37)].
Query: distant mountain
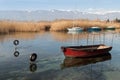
[(48, 15)]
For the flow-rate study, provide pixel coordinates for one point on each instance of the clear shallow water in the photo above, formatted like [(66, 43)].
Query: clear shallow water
[(50, 61)]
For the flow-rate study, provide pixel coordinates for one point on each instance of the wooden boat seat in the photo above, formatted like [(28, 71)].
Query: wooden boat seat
[(101, 47)]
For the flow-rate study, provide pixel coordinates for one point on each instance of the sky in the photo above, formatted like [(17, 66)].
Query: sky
[(59, 4)]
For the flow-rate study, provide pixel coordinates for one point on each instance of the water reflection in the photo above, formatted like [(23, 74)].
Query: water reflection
[(64, 37), (73, 62), (20, 35), (59, 36), (33, 67)]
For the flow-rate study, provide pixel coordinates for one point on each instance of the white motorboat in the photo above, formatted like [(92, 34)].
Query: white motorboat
[(75, 29)]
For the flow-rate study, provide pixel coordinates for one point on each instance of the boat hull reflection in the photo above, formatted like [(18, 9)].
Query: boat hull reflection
[(74, 62)]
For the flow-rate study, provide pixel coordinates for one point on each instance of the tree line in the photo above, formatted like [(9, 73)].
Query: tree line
[(115, 20)]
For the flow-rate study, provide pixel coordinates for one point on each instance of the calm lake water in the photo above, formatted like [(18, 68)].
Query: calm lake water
[(51, 63)]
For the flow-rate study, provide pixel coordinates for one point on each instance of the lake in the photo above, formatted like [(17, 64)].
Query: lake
[(51, 63)]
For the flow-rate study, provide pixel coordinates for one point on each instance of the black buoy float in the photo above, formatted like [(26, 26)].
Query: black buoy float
[(33, 57), (16, 53), (16, 42)]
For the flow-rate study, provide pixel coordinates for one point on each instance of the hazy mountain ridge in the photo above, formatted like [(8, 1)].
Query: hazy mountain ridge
[(39, 15)]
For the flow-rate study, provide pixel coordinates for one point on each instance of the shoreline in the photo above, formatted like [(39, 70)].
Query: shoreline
[(57, 25)]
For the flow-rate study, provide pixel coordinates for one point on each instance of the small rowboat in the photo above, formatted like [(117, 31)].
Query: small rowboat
[(85, 51)]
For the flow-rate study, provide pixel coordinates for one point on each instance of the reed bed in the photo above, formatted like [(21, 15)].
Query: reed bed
[(64, 24), (14, 26), (58, 25)]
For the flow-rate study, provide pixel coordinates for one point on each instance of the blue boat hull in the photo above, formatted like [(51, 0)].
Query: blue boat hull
[(94, 29)]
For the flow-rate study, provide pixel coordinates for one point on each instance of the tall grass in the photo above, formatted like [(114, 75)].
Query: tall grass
[(14, 26), (58, 25)]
